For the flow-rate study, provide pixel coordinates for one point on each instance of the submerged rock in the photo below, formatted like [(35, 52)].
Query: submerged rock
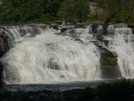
[(99, 37), (53, 64)]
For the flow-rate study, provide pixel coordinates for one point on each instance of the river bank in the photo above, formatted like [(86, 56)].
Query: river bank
[(119, 90)]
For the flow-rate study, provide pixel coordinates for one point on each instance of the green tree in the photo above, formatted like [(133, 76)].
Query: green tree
[(122, 10), (23, 11), (74, 10)]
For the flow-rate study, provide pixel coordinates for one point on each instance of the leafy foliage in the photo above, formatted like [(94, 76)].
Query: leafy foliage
[(112, 60), (122, 10), (18, 11), (74, 10), (25, 11)]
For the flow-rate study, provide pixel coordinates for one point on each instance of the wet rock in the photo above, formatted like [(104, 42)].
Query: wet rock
[(3, 44), (1, 75), (55, 26), (53, 64), (81, 25), (94, 28), (105, 26), (3, 49), (131, 25), (99, 37), (108, 53), (63, 29), (79, 40), (100, 31), (120, 25), (109, 65)]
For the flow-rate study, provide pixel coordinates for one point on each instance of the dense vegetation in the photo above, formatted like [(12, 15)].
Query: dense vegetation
[(122, 10), (25, 11)]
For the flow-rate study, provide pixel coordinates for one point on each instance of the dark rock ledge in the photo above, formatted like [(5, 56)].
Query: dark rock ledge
[(3, 49)]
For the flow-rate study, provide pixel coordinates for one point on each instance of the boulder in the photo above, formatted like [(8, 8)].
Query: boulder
[(94, 28), (109, 65), (99, 37), (53, 64), (82, 25), (79, 40), (3, 44), (63, 29), (131, 25), (55, 26), (97, 30)]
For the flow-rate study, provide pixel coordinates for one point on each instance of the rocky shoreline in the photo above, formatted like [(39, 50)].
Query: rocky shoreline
[(119, 90)]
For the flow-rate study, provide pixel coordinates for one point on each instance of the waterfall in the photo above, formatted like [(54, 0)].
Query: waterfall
[(17, 33), (123, 44), (51, 56)]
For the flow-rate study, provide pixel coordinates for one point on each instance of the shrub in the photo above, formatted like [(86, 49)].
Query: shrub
[(124, 16)]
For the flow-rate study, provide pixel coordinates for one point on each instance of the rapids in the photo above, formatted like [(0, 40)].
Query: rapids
[(45, 55)]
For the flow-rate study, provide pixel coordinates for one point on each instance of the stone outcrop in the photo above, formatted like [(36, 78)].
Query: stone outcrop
[(131, 25), (1, 75), (109, 65), (38, 25), (3, 44), (55, 26), (3, 49)]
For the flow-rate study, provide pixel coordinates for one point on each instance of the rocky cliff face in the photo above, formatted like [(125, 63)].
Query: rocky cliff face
[(109, 65), (3, 49), (3, 44)]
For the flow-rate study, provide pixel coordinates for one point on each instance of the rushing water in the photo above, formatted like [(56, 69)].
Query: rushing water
[(47, 56)]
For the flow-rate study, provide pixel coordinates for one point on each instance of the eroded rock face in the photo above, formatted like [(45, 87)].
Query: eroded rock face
[(131, 25), (109, 65), (3, 49), (3, 44), (1, 75)]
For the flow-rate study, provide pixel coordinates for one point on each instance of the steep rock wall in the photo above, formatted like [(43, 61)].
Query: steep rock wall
[(3, 49)]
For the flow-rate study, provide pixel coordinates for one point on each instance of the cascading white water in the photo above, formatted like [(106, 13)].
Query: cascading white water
[(49, 58), (17, 33), (123, 44)]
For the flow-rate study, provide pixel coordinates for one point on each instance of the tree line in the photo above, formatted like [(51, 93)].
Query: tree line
[(122, 10), (25, 11), (44, 11)]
